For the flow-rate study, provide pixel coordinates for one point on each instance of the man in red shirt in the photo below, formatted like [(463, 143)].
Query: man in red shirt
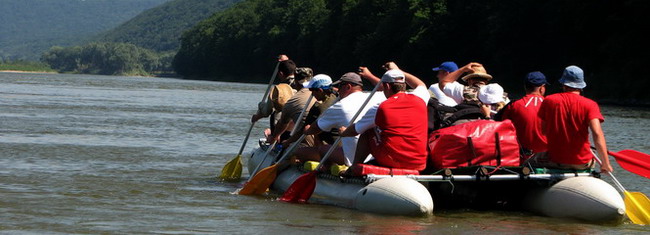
[(567, 118), (395, 131), (524, 115)]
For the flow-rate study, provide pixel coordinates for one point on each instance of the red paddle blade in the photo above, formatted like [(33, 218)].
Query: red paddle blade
[(633, 161), (301, 189)]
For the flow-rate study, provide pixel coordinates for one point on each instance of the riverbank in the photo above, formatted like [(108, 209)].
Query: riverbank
[(23, 71)]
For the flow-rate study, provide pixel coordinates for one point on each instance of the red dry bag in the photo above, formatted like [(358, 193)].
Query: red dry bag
[(481, 142)]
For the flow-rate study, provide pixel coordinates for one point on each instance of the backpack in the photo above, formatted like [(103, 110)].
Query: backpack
[(441, 116)]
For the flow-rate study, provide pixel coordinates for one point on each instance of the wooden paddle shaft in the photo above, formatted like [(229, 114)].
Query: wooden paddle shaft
[(264, 98)]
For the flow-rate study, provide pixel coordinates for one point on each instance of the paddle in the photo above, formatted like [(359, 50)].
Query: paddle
[(233, 168), (633, 161), (637, 204), (258, 183), (265, 177), (302, 189)]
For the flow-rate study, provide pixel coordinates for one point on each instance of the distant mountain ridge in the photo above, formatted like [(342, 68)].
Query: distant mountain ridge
[(160, 28), (30, 27)]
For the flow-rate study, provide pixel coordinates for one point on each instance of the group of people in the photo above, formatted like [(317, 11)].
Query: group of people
[(392, 129)]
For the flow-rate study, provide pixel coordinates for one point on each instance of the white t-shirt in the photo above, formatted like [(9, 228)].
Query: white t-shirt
[(441, 96), (340, 114), (454, 91), (368, 120)]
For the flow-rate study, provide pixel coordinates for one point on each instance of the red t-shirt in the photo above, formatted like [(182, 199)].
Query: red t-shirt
[(566, 118), (523, 114), (402, 120)]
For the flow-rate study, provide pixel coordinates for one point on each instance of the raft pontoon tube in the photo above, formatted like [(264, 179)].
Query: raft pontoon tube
[(562, 195)]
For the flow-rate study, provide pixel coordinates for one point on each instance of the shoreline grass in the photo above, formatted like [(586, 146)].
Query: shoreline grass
[(25, 66)]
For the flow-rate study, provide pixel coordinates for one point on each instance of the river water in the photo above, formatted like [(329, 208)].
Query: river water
[(83, 154)]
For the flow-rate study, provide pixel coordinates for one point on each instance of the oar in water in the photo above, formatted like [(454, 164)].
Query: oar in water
[(637, 204), (259, 182), (265, 177), (302, 189), (232, 170), (633, 161)]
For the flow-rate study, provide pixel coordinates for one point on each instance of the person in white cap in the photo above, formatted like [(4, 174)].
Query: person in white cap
[(491, 97), (321, 88), (350, 89), (567, 117), (395, 131)]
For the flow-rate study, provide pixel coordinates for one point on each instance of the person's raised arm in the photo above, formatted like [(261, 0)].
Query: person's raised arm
[(364, 72), (453, 76)]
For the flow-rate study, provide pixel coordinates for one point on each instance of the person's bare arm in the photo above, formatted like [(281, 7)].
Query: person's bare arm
[(313, 129), (601, 145), (346, 132), (364, 72), (455, 75)]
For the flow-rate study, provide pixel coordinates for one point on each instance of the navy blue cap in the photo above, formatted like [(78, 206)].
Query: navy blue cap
[(448, 66), (536, 78)]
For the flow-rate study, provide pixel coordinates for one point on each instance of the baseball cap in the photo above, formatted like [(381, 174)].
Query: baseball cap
[(349, 77), (321, 81), (393, 75), (448, 66), (573, 77), (536, 78)]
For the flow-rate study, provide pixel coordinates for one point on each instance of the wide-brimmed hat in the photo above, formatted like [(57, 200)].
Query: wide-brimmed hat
[(573, 77), (491, 94), (280, 94), (479, 71), (349, 77), (393, 75), (321, 81)]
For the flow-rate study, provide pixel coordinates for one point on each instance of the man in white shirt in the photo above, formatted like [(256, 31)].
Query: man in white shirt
[(350, 89), (448, 90)]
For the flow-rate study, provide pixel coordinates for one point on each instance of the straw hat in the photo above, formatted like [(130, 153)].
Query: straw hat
[(479, 71), (280, 94)]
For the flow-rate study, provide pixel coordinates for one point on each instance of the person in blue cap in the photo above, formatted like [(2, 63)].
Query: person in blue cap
[(567, 118), (443, 70), (448, 90), (524, 115)]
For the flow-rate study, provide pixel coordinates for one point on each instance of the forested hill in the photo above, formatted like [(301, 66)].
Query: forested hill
[(29, 27), (160, 28), (604, 37)]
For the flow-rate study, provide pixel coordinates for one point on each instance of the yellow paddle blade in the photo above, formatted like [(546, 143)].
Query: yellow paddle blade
[(637, 207), (232, 169), (260, 182)]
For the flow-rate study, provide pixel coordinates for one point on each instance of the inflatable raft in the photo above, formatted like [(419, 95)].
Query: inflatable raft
[(563, 195)]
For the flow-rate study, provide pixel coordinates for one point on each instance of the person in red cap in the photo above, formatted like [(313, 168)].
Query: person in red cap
[(567, 117), (524, 115), (395, 131)]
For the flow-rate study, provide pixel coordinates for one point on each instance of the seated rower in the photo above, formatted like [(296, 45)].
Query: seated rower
[(395, 131), (350, 89)]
